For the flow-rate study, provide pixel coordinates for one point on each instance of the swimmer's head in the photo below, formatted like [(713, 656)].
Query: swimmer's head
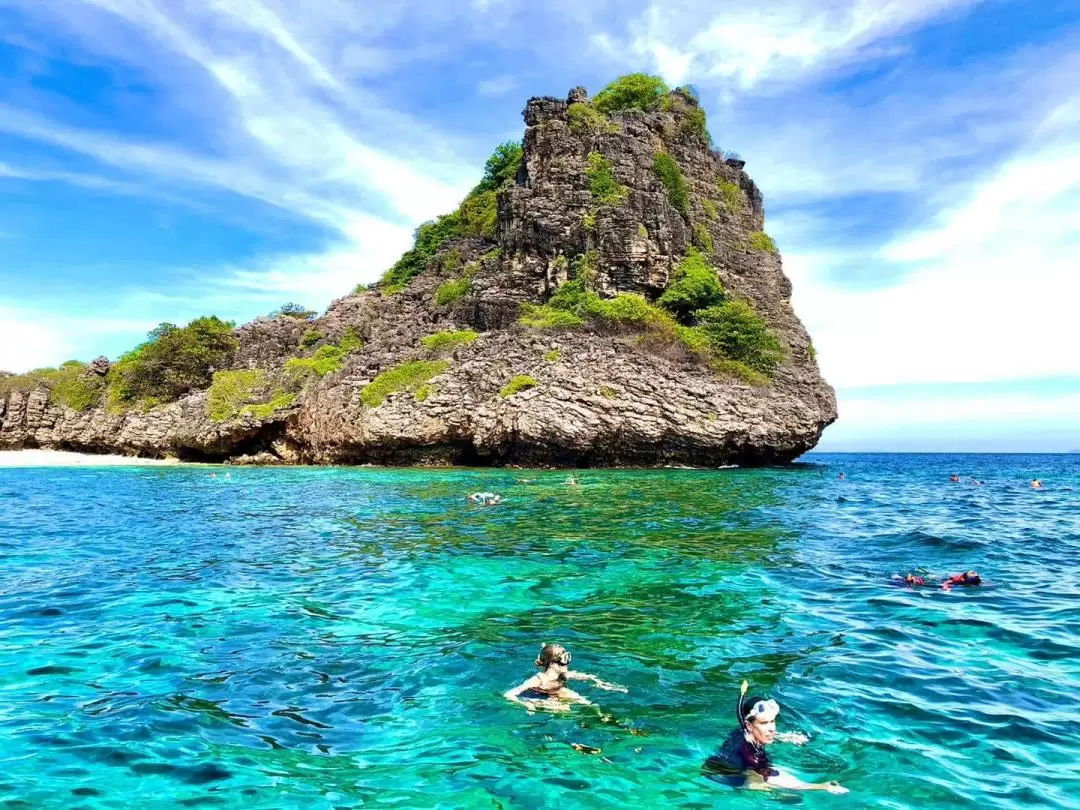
[(759, 719), (972, 578), (553, 654)]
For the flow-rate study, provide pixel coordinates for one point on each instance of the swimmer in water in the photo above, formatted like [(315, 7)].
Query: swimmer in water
[(548, 689), (1036, 483), (964, 580), (954, 478), (743, 753), (484, 498), (840, 476)]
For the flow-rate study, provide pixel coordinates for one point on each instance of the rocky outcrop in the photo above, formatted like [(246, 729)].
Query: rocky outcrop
[(597, 396)]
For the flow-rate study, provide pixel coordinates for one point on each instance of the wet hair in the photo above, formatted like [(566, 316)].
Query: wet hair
[(972, 578), (552, 654)]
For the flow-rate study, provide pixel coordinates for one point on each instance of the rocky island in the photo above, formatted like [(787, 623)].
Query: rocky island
[(605, 296)]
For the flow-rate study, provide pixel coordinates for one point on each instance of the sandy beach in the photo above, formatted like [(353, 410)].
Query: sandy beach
[(60, 458)]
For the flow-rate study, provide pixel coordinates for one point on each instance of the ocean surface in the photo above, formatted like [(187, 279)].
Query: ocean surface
[(340, 638)]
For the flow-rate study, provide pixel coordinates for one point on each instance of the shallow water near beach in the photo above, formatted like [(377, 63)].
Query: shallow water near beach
[(338, 638)]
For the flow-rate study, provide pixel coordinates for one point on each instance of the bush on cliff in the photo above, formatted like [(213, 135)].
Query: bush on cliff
[(293, 311), (453, 290), (667, 170), (585, 119), (694, 286), (245, 391), (405, 377), (172, 362), (448, 340), (604, 188), (759, 240), (632, 91), (326, 359), (476, 216), (738, 333), (68, 385)]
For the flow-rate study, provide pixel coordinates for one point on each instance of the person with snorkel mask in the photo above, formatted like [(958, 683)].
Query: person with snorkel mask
[(743, 752)]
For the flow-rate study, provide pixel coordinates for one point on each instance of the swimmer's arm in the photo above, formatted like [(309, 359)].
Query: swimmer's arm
[(787, 781), (585, 676), (512, 694)]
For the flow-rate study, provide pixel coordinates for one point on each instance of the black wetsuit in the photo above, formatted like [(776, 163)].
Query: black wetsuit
[(738, 755)]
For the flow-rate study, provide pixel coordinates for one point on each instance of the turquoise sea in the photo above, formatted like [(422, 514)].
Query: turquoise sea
[(340, 638)]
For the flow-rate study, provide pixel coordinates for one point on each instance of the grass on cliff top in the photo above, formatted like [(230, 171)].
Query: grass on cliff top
[(448, 340), (585, 119), (244, 391), (520, 382), (633, 91), (476, 216), (412, 376), (67, 385)]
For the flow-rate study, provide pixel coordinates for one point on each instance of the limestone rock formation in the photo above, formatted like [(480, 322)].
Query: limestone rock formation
[(495, 391)]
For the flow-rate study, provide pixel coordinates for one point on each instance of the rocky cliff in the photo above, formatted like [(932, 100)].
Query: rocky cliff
[(559, 318)]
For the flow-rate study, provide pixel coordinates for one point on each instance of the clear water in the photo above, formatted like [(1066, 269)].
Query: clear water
[(337, 638)]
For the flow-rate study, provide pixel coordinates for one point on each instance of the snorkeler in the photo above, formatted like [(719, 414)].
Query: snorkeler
[(743, 752), (966, 579), (484, 498), (548, 689)]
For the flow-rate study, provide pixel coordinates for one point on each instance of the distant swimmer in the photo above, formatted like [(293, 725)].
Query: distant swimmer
[(548, 690), (840, 476), (954, 478), (571, 481), (923, 578), (485, 498), (977, 482), (964, 580), (743, 754), (1036, 483)]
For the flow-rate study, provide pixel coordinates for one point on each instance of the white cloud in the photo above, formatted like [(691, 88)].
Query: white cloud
[(991, 287), (746, 45), (32, 338)]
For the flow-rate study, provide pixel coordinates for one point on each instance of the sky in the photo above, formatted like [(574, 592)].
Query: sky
[(920, 160)]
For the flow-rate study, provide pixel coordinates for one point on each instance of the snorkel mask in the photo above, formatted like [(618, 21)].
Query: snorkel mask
[(747, 711)]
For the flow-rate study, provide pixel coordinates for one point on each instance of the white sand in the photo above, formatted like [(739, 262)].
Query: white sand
[(60, 458)]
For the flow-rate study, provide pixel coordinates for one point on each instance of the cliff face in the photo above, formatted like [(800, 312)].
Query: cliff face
[(598, 393)]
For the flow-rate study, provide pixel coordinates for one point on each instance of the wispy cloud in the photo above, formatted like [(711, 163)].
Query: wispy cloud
[(783, 41)]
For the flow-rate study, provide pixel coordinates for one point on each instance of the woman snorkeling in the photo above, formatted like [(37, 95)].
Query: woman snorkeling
[(743, 752), (548, 688)]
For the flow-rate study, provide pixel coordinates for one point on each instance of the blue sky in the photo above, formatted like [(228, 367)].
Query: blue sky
[(920, 161)]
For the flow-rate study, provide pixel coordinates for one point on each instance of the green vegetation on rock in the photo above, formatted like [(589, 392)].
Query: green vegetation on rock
[(69, 385), (759, 240), (448, 340), (326, 360), (172, 362), (476, 216), (694, 286), (585, 119), (632, 91), (453, 290), (246, 391), (710, 209), (731, 196), (667, 170), (310, 338), (553, 356), (702, 238), (727, 334), (293, 311), (604, 188), (405, 377), (520, 382)]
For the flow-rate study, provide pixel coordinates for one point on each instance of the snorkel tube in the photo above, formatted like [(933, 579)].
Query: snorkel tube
[(739, 706)]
